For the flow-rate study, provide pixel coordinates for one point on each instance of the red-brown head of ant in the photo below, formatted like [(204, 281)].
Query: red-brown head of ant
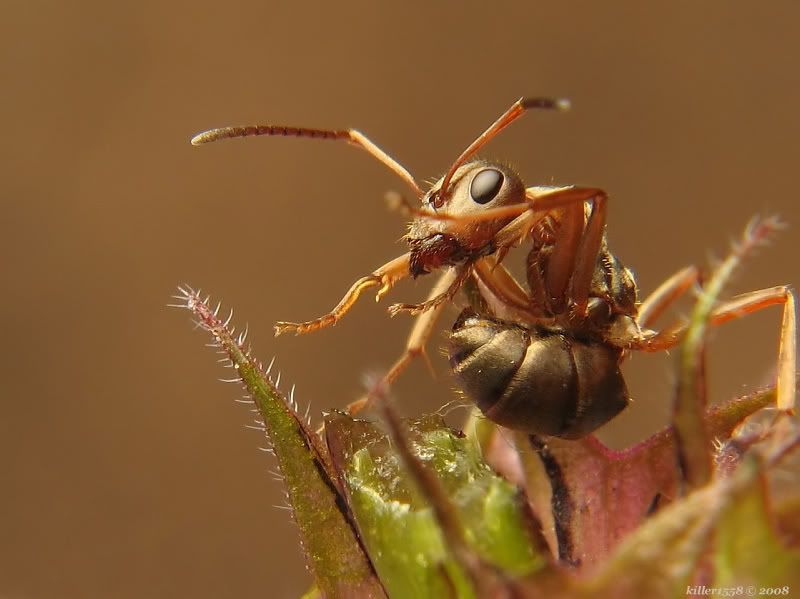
[(474, 188)]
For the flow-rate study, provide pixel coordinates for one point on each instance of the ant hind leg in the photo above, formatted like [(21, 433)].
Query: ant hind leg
[(738, 307)]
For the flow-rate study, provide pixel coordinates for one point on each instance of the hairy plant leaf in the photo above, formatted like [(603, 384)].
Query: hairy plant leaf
[(334, 555), (399, 528)]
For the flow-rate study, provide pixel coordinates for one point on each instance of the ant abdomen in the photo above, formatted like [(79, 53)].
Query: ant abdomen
[(536, 380)]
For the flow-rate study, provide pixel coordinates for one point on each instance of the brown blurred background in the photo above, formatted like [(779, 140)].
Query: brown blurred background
[(125, 467)]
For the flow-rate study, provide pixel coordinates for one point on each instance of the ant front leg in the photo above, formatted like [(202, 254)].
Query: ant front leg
[(572, 263), (385, 278), (740, 306), (415, 345), (437, 299), (502, 284), (586, 261), (505, 297)]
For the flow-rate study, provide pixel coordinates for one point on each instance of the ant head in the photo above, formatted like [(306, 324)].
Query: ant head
[(469, 187), (474, 187)]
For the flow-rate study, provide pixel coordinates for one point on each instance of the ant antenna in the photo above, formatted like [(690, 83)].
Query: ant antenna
[(517, 110), (350, 135)]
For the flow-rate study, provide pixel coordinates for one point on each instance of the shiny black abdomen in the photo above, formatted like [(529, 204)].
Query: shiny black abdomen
[(537, 380)]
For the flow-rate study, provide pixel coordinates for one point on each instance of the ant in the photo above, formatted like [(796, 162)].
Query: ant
[(543, 359)]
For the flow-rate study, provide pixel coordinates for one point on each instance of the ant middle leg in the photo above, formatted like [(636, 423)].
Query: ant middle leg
[(437, 299)]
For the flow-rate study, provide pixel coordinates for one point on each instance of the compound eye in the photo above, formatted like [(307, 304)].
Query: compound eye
[(486, 185)]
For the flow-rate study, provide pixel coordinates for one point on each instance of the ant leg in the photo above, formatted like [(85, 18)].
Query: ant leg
[(586, 261), (434, 301), (502, 285), (576, 252), (514, 232), (398, 202), (385, 277), (665, 294), (352, 136), (740, 306), (540, 200), (561, 263), (415, 345)]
